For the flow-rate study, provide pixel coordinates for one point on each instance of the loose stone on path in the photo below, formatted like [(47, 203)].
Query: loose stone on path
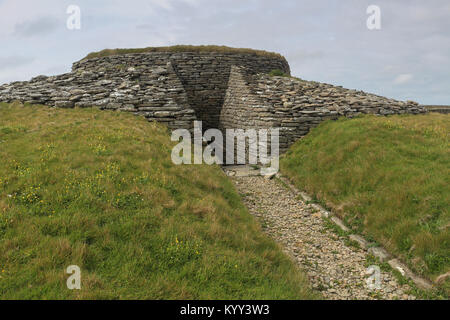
[(333, 268)]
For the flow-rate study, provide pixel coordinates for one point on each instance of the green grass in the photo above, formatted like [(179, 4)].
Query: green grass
[(388, 178), (182, 48), (98, 189)]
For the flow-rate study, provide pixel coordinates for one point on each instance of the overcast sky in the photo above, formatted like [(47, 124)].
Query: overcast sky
[(323, 40)]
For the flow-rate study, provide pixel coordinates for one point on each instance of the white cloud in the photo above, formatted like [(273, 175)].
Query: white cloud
[(388, 68), (15, 61), (38, 26), (305, 55), (163, 4), (16, 12), (403, 78)]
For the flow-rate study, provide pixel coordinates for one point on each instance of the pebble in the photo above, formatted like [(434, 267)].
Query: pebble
[(333, 268)]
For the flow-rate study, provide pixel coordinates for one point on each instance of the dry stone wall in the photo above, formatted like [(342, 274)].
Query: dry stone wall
[(224, 90), (174, 88), (152, 90), (295, 105), (204, 76)]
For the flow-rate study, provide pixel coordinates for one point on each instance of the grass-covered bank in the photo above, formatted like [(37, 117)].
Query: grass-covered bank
[(388, 177), (98, 189)]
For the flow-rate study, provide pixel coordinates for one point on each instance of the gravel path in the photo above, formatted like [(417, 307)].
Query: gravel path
[(333, 267)]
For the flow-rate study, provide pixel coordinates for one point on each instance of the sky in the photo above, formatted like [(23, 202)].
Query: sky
[(408, 58)]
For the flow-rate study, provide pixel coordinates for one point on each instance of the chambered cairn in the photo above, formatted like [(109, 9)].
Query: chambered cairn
[(223, 87)]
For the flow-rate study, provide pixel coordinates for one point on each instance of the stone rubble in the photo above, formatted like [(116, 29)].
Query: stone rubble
[(335, 269)]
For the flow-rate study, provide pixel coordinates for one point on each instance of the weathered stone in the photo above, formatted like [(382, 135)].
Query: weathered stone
[(406, 272), (162, 114), (380, 253), (64, 104), (360, 240), (339, 223), (224, 90)]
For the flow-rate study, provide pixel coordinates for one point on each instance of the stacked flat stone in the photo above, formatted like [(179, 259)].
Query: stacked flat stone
[(295, 106), (224, 90), (173, 88)]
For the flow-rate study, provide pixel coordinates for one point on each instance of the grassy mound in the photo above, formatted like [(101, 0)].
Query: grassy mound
[(182, 48), (388, 177), (98, 189)]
